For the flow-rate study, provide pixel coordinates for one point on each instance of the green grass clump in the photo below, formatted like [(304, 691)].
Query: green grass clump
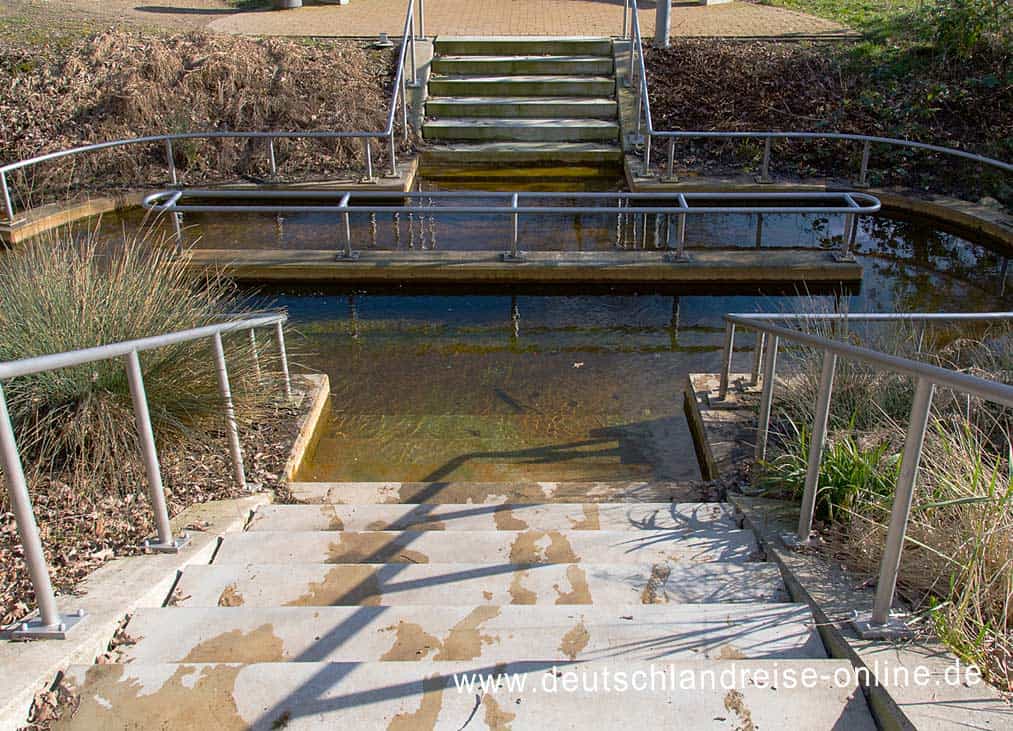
[(67, 292)]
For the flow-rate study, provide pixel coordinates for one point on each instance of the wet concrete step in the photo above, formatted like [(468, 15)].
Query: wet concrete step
[(681, 517), (534, 106), (495, 65), (524, 547), (527, 85), (541, 153), (487, 633), (489, 129), (424, 695), (304, 584), (517, 45), (580, 491)]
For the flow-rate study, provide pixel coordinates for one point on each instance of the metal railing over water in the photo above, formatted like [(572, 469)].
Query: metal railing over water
[(636, 76), (771, 330), (664, 206), (49, 623)]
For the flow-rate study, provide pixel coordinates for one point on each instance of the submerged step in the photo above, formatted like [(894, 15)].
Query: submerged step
[(486, 632), (543, 153), (681, 517), (522, 45), (303, 584), (522, 130), (505, 107), (528, 64), (424, 695), (584, 86), (523, 547), (578, 491)]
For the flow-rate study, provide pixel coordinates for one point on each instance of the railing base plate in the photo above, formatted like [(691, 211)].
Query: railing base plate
[(32, 628), (843, 258), (349, 256), (676, 258), (894, 629), (507, 256), (174, 547), (792, 541)]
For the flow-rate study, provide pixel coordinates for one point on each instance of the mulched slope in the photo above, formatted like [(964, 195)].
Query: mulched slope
[(120, 84), (80, 532), (708, 85)]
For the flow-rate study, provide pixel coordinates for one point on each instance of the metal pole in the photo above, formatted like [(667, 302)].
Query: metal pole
[(256, 357), (513, 246), (280, 335), (633, 51), (626, 18), (765, 166), (8, 204), (850, 232), (639, 107), (726, 359), (863, 175), (647, 154), (348, 235), (230, 412), (171, 160), (178, 228), (21, 504), (663, 23), (156, 492), (681, 237), (404, 106), (422, 19), (759, 231), (818, 439), (754, 378), (670, 169), (271, 157), (411, 48), (369, 159), (766, 398), (903, 495)]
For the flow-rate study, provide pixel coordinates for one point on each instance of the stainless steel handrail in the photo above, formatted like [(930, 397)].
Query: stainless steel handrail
[(49, 623), (850, 205), (408, 39), (880, 624), (644, 118)]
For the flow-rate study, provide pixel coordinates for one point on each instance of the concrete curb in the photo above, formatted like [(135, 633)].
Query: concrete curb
[(311, 425)]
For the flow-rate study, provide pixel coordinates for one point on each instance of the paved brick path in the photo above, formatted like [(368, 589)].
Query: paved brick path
[(526, 17)]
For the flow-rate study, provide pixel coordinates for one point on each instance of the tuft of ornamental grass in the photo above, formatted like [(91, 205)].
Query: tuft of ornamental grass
[(73, 290)]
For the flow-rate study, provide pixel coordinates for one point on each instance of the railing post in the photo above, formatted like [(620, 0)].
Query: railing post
[(177, 227), (255, 356), (766, 398), (758, 240), (165, 542), (754, 377), (670, 165), (863, 174), (404, 106), (393, 155), (848, 237), (662, 23), (271, 158), (881, 625), (626, 19), (369, 161), (50, 623), (647, 154), (726, 359), (279, 331), (816, 443), (411, 48), (764, 176), (422, 20), (230, 412), (171, 160), (633, 52), (514, 253), (6, 193)]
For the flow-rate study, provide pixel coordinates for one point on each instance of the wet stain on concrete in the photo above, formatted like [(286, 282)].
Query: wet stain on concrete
[(731, 652), (496, 718), (343, 586), (465, 639), (591, 520), (372, 548), (579, 592), (259, 645), (334, 522), (230, 597), (736, 703), (424, 719), (487, 595), (378, 525), (654, 590), (192, 698), (528, 548), (575, 640), (519, 594), (506, 520), (410, 643)]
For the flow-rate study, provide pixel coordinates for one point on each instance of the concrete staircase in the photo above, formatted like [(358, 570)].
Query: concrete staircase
[(522, 101), (358, 610)]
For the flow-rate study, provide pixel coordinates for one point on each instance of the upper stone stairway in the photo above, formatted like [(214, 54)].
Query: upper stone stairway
[(522, 101), (358, 609)]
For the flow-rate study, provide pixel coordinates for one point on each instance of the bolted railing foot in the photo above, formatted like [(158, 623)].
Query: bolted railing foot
[(895, 627), (792, 541), (676, 258), (512, 257), (174, 546), (346, 256), (33, 628)]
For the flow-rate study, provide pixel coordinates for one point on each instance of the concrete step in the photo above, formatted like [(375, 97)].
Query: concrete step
[(521, 45), (302, 584), (681, 517), (541, 153), (487, 633), (584, 86), (524, 547), (424, 695), (493, 493), (522, 106), (473, 65), (490, 129)]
